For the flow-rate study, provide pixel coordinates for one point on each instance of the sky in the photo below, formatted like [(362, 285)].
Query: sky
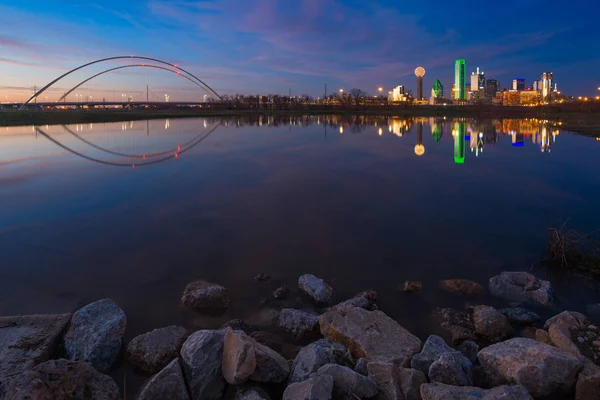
[(277, 46)]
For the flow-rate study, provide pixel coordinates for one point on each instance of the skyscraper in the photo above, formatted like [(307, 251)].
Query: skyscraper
[(547, 85), (492, 86), (519, 84), (437, 91), (420, 73), (460, 77), (477, 80)]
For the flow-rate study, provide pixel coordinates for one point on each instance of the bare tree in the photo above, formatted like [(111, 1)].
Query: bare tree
[(358, 95)]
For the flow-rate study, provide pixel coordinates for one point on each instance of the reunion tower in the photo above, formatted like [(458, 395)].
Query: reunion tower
[(420, 73)]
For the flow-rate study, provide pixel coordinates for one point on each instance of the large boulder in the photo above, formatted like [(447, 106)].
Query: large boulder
[(152, 351), (201, 357), (433, 348), (366, 300), (26, 341), (315, 288), (458, 323), (315, 355), (469, 349), (440, 391), (521, 287), (491, 324), (462, 286), (395, 383), (348, 384), (588, 382), (316, 388), (205, 297), (520, 315), (571, 319), (300, 324), (410, 383), (540, 368), (270, 366), (96, 333), (561, 337), (169, 383), (237, 325), (452, 368), (62, 380), (369, 334)]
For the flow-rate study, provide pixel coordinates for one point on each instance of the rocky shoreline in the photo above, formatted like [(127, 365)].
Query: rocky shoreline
[(351, 350)]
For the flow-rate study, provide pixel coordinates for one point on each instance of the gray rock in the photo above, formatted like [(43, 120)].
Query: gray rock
[(469, 349), (281, 293), (152, 351), (366, 300), (452, 369), (491, 324), (520, 315), (347, 383), (570, 319), (270, 366), (237, 325), (62, 380), (316, 355), (169, 383), (252, 394), (96, 333), (439, 391), (433, 348), (239, 357), (410, 383), (521, 287), (316, 288), (588, 382), (457, 323), (316, 388), (370, 334), (540, 368), (201, 357), (299, 324), (26, 341), (361, 366), (205, 297), (561, 337), (462, 286), (386, 377)]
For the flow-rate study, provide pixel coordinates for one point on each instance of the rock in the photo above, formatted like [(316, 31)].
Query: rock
[(366, 300), (458, 323), (369, 334), (62, 380), (433, 348), (205, 297), (96, 333), (540, 368), (588, 382), (270, 366), (521, 287), (412, 286), (410, 383), (386, 377), (169, 383), (152, 351), (520, 315), (201, 357), (316, 388), (282, 292), (299, 324), (469, 349), (26, 341), (315, 288), (239, 357), (571, 319), (462, 286), (452, 368), (360, 367), (237, 325), (543, 337), (347, 384), (262, 277), (561, 337), (439, 391), (315, 355), (252, 394), (491, 324)]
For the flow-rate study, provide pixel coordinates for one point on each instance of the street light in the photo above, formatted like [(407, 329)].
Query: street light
[(342, 91)]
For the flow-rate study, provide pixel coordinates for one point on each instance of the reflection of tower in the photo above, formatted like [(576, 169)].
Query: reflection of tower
[(420, 73), (419, 148), (436, 130), (459, 142)]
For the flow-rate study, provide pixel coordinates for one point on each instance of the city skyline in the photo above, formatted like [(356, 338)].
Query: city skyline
[(271, 46)]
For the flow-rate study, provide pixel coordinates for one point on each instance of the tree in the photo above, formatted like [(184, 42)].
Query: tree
[(358, 95)]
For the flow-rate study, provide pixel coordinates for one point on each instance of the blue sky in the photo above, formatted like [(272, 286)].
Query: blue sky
[(270, 46)]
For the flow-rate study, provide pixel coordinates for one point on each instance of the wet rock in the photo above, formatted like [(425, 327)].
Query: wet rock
[(588, 382), (201, 357), (316, 388), (412, 286), (315, 288), (433, 348), (561, 337), (521, 287), (410, 383), (458, 324), (239, 357), (299, 324), (169, 383), (571, 319), (520, 315), (262, 277), (317, 354), (369, 334), (281, 293), (252, 394), (152, 351), (361, 366), (540, 368), (462, 286), (491, 324), (347, 384), (366, 300), (237, 325), (205, 297), (469, 349), (96, 333), (62, 380), (270, 366), (439, 391), (543, 337), (28, 340), (452, 368)]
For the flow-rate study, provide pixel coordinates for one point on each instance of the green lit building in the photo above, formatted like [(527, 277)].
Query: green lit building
[(437, 91), (460, 76)]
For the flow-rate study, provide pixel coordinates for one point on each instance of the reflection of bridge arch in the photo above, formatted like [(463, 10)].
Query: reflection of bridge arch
[(42, 90)]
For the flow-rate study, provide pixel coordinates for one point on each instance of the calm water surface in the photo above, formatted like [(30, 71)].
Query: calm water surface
[(135, 211)]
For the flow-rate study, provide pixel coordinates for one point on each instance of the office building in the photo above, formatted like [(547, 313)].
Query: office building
[(398, 94), (492, 86), (546, 89), (477, 80), (519, 84), (437, 90), (460, 68)]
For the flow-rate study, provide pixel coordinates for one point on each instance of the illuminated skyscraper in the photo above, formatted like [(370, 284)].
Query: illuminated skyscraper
[(547, 85), (519, 84), (459, 142), (420, 73), (477, 80), (437, 91), (460, 76)]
